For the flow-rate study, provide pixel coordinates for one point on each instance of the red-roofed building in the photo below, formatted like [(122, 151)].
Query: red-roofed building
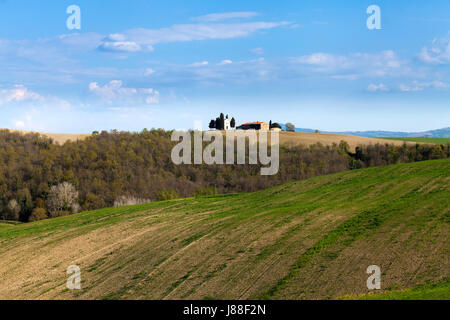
[(254, 126)]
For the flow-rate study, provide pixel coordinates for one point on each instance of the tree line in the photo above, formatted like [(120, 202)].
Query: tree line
[(41, 179)]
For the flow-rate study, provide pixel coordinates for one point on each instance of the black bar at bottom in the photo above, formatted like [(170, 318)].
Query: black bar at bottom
[(223, 309)]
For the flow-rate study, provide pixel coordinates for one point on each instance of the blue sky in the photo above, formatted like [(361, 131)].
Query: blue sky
[(143, 64)]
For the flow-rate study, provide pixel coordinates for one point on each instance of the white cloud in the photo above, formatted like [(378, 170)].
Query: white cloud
[(199, 64), (149, 72), (219, 72), (116, 37), (27, 123), (21, 96), (19, 124), (257, 51), (225, 62), (18, 94), (111, 90), (115, 91), (416, 86), (63, 50), (320, 59), (152, 97), (263, 73), (407, 88), (65, 59), (186, 100), (50, 51), (438, 53), (225, 16), (121, 46), (58, 102), (355, 65), (51, 60), (377, 87), (440, 85), (350, 77), (147, 38)]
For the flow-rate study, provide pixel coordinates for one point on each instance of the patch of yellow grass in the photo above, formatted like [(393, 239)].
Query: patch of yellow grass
[(61, 138)]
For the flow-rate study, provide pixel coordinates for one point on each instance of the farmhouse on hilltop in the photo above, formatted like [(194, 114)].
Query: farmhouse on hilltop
[(260, 126), (254, 126), (224, 123)]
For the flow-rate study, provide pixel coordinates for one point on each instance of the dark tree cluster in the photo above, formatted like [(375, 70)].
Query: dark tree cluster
[(41, 179), (290, 127), (219, 123), (274, 125)]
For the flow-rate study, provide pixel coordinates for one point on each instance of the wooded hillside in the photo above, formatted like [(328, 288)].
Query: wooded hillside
[(116, 168)]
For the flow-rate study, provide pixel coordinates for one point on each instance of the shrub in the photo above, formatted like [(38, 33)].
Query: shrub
[(38, 214), (164, 194), (204, 192), (290, 127)]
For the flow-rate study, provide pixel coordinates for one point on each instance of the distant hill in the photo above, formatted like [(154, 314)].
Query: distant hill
[(311, 239), (439, 133), (303, 136)]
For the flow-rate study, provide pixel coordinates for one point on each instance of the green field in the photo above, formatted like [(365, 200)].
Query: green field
[(436, 291), (312, 239), (422, 140), (5, 224)]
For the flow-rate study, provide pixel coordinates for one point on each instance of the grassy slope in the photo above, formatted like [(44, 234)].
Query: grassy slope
[(309, 239), (422, 140), (434, 291)]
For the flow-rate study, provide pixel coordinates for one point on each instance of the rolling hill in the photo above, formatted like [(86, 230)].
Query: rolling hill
[(60, 138), (311, 239), (439, 133), (295, 138), (327, 139), (307, 136)]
